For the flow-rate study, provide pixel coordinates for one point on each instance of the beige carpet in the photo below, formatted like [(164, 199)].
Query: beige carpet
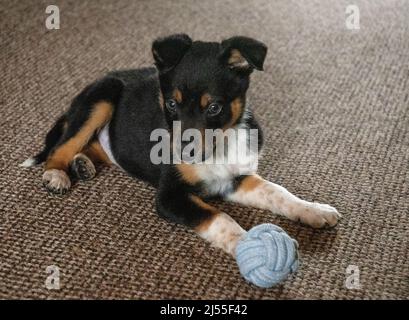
[(334, 104)]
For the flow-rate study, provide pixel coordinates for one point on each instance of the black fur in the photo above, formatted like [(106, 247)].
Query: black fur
[(108, 89), (169, 50), (51, 140), (194, 68)]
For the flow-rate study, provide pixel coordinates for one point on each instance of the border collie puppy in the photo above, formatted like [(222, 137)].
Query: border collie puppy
[(203, 86)]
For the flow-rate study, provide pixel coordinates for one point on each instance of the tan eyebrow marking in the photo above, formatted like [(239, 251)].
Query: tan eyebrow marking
[(177, 94), (204, 100)]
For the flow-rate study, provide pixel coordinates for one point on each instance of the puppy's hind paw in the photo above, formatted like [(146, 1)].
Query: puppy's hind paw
[(82, 167), (56, 182)]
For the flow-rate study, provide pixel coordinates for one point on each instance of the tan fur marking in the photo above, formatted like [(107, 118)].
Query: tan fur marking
[(236, 59), (204, 100), (63, 155), (203, 204), (236, 111), (249, 183), (188, 173), (161, 100), (96, 154), (177, 94), (204, 225)]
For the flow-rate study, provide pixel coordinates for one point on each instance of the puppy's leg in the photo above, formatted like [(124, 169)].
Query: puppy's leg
[(212, 225), (219, 229), (89, 112), (254, 191), (55, 177)]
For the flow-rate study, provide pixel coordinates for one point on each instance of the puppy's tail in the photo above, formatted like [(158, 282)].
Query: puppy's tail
[(51, 140)]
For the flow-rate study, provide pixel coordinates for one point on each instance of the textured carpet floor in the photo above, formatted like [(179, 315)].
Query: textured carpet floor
[(334, 105)]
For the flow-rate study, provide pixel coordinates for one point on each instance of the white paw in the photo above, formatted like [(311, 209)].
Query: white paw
[(56, 181), (317, 215)]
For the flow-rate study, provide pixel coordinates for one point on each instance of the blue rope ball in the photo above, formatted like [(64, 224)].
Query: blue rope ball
[(266, 255)]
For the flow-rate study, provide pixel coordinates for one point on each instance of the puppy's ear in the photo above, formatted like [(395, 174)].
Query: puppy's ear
[(168, 51), (243, 53)]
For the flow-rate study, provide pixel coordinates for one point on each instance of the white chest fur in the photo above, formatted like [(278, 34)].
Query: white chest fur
[(241, 159)]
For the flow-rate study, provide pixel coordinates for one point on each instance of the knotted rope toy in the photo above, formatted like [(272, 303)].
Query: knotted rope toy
[(266, 255)]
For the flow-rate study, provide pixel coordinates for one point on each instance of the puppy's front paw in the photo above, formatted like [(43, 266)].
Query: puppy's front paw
[(317, 215), (56, 181)]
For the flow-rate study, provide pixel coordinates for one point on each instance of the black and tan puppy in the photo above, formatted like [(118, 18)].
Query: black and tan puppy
[(201, 84)]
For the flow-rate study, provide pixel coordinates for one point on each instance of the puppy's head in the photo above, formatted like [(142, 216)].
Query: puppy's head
[(204, 84)]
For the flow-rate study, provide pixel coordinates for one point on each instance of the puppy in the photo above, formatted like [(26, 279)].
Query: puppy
[(202, 85)]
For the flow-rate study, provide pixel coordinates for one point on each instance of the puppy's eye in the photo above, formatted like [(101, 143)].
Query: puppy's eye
[(214, 109), (171, 105)]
